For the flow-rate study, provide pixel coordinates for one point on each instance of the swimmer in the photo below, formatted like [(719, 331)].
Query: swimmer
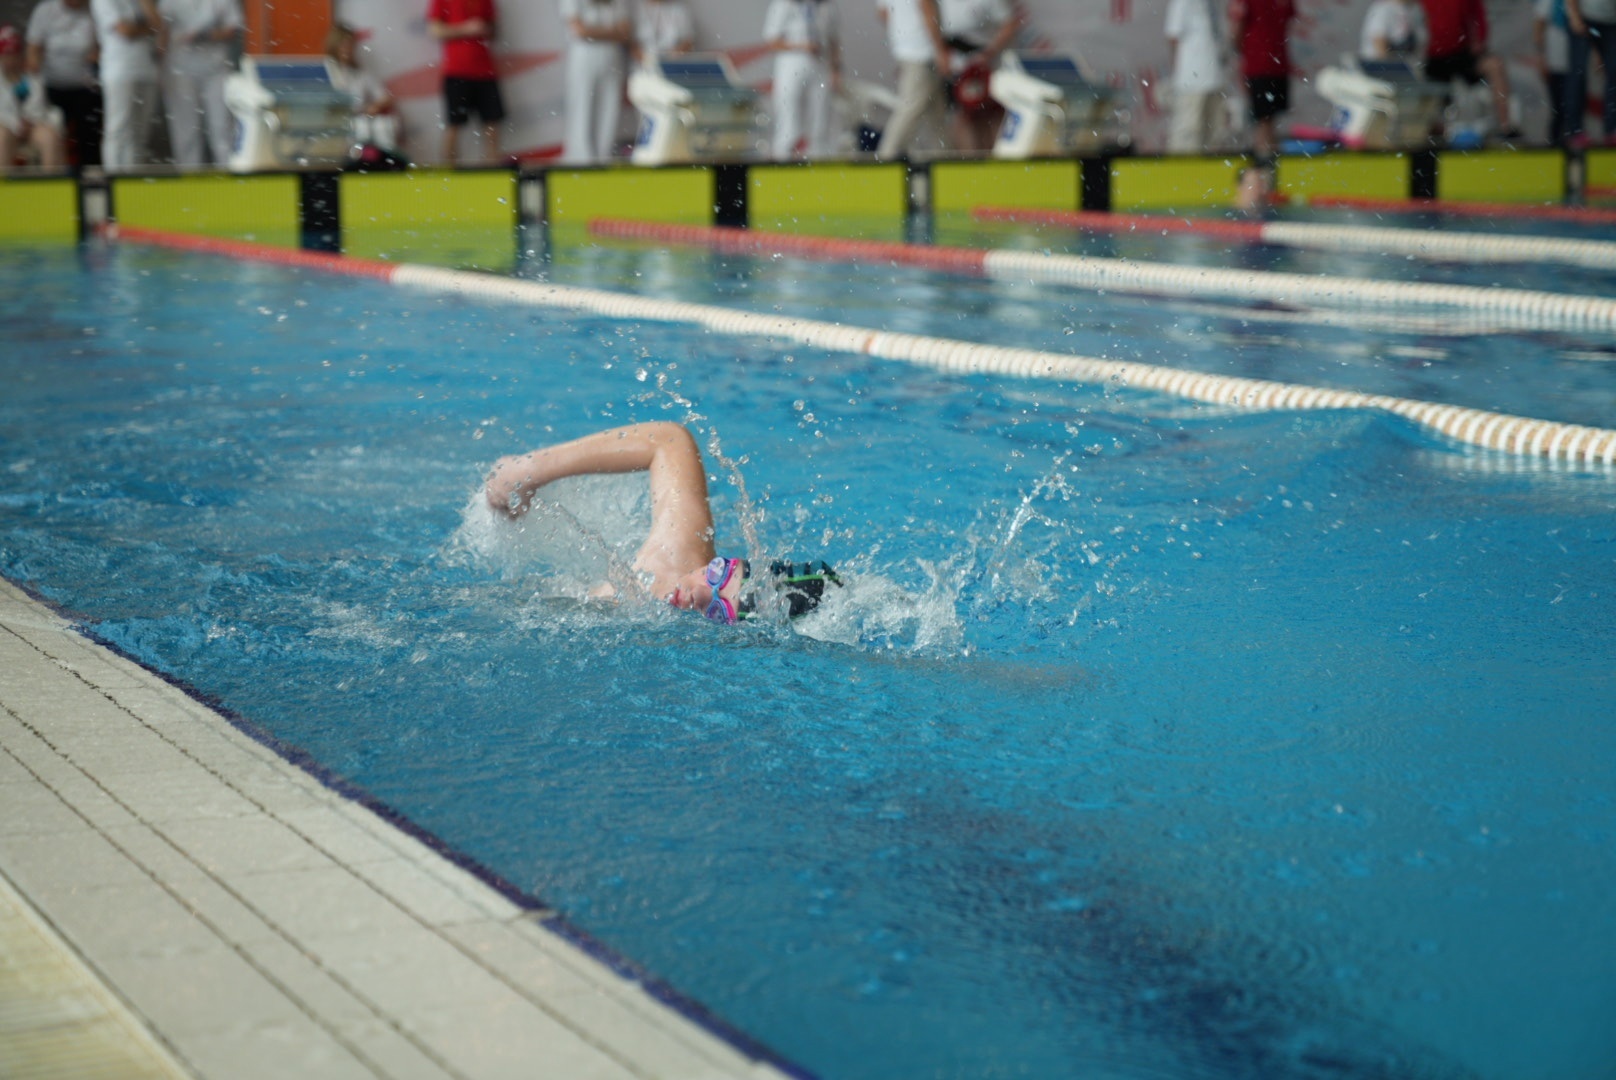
[(678, 555)]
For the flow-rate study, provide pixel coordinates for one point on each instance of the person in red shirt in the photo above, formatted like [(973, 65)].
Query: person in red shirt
[(1457, 49), (470, 82), (1260, 29)]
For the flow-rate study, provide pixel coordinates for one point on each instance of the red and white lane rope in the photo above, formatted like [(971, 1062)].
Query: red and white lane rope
[(1586, 215), (1569, 443), (1519, 308), (1418, 243)]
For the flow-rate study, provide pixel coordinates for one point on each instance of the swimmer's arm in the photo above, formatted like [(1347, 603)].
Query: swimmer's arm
[(666, 450)]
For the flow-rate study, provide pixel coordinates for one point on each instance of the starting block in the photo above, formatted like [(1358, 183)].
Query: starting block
[(1053, 110), (289, 115), (693, 108), (1381, 104)]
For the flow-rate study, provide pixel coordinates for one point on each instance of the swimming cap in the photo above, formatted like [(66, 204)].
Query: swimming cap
[(801, 586)]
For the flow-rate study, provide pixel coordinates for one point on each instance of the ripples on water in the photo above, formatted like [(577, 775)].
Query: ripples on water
[(1147, 739)]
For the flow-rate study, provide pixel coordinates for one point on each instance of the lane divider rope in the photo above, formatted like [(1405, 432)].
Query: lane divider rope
[(1570, 443), (1587, 215), (1420, 243), (1521, 308)]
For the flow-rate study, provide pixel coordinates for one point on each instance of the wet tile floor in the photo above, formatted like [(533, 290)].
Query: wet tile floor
[(229, 916)]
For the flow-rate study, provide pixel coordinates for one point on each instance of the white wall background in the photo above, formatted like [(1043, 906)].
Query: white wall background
[(1119, 41)]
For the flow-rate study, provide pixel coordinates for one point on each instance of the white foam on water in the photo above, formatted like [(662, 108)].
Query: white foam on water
[(355, 624), (871, 610), (581, 533)]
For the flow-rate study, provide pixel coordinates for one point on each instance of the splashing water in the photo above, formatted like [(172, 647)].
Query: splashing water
[(581, 533), (579, 540)]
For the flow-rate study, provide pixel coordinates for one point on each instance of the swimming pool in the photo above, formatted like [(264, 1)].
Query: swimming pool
[(1151, 739)]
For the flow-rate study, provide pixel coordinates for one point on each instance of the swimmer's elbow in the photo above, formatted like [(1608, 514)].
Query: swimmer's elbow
[(667, 433), (666, 430)]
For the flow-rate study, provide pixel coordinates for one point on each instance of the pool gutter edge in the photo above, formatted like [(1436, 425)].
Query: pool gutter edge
[(252, 908)]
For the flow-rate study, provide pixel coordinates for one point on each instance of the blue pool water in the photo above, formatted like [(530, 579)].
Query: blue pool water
[(1150, 740)]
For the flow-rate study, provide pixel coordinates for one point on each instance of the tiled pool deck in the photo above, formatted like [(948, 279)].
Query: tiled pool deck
[(183, 901)]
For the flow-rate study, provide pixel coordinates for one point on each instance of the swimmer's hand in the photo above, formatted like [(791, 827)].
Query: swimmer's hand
[(511, 484)]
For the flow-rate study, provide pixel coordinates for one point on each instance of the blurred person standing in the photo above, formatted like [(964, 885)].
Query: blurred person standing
[(1195, 53), (470, 80), (978, 31), (664, 27), (915, 34), (201, 36), (27, 120), (62, 51), (1457, 49), (1592, 24), (600, 31), (1551, 42), (128, 31), (1260, 29), (1393, 30), (807, 74)]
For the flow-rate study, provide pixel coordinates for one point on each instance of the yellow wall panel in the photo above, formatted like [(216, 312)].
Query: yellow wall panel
[(785, 191), (264, 208), (1523, 176), (428, 197), (1601, 169), (883, 228), (489, 248), (1174, 183), (1369, 176), (683, 195), (36, 210), (1023, 185)]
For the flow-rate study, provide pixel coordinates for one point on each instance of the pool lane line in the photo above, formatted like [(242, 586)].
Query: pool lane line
[(253, 251), (1587, 215), (1522, 308), (1573, 444), (1419, 243), (1244, 232)]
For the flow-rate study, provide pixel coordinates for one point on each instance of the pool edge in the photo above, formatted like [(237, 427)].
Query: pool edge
[(174, 847)]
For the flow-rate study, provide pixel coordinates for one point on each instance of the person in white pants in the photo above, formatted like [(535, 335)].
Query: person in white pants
[(915, 33), (200, 34), (807, 73), (1195, 54), (127, 30), (601, 31)]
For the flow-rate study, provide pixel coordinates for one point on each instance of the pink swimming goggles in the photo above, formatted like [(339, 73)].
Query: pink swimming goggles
[(718, 574)]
